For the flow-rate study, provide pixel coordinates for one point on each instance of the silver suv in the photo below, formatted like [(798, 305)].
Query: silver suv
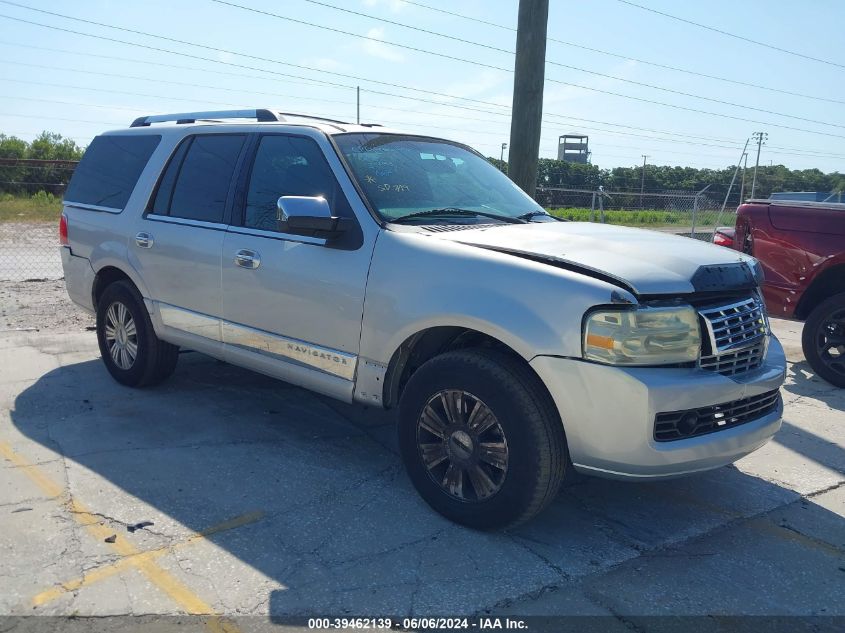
[(399, 270)]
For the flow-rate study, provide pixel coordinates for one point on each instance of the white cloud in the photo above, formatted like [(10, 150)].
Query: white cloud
[(394, 6), (323, 63), (379, 49)]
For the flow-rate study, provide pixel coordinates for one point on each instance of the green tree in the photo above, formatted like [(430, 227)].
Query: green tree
[(46, 146), (12, 147)]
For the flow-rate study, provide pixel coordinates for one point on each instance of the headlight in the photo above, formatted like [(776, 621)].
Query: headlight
[(646, 335)]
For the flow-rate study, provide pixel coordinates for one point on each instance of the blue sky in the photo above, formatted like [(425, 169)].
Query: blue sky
[(83, 85)]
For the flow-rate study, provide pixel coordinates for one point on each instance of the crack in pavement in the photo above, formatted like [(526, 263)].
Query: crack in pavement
[(669, 550)]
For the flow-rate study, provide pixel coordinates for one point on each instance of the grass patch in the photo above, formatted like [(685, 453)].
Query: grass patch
[(625, 218), (39, 207)]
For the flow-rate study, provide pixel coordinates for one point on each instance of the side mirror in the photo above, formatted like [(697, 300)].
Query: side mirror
[(311, 216)]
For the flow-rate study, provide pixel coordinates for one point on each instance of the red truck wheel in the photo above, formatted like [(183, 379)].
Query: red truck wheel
[(823, 340)]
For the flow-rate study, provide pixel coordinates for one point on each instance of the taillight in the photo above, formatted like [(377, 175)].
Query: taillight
[(63, 231), (723, 240)]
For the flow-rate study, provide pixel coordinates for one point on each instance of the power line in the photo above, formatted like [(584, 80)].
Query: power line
[(146, 62), (443, 55), (370, 16), (162, 81), (311, 81), (270, 60), (389, 121), (687, 71), (805, 154), (289, 18), (733, 35), (218, 50), (810, 152), (334, 84), (229, 104)]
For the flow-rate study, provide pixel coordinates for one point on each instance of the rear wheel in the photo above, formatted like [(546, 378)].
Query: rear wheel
[(823, 340), (131, 351), (480, 438)]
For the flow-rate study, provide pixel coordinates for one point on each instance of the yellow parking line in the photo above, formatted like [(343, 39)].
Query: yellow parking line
[(134, 560), (176, 590), (33, 472)]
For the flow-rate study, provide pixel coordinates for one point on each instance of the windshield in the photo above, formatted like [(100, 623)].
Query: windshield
[(403, 175)]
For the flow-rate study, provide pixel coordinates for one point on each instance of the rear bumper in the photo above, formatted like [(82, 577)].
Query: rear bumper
[(79, 279), (609, 414)]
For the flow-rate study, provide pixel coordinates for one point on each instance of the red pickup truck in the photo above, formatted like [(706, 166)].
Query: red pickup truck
[(801, 246)]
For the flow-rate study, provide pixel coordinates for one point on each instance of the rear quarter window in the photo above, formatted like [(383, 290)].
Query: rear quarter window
[(109, 170)]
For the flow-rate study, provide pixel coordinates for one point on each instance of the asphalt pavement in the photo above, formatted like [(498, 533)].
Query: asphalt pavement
[(226, 493)]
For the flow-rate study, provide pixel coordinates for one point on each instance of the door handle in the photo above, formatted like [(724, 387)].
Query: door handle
[(144, 240), (247, 259)]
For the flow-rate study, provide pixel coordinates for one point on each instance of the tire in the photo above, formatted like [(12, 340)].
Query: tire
[(525, 454), (823, 340), (131, 351)]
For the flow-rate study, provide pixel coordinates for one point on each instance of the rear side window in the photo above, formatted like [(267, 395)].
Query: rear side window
[(196, 182), (109, 170)]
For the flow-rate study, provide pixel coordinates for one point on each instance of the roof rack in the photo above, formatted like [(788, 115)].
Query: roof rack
[(259, 114), (192, 117)]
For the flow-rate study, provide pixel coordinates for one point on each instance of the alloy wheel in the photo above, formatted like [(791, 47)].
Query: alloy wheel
[(830, 341), (462, 445), (121, 335)]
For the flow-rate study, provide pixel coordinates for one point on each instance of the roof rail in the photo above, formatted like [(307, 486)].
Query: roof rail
[(315, 118), (191, 117), (261, 114)]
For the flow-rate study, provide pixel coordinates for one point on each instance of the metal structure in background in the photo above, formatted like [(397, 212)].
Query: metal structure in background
[(574, 148), (760, 137), (689, 213), (642, 179), (730, 188)]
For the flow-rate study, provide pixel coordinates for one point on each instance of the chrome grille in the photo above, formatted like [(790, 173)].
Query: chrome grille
[(732, 363), (737, 337)]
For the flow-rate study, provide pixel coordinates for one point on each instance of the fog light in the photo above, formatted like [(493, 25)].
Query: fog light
[(687, 424)]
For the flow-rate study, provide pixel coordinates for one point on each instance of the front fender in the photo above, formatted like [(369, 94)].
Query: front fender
[(418, 282)]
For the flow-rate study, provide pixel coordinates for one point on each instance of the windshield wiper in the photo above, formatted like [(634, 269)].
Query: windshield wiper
[(452, 211), (535, 214)]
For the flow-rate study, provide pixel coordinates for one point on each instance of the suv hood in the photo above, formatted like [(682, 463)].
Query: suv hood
[(646, 262)]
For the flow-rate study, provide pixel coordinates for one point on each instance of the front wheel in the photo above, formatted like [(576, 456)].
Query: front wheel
[(823, 340), (480, 438)]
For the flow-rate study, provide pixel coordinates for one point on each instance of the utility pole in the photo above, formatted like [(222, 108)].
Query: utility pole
[(528, 80), (642, 181), (742, 186), (760, 136), (502, 155), (358, 103)]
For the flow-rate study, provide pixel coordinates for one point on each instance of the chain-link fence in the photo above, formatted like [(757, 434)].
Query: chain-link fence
[(31, 192), (691, 213), (30, 205)]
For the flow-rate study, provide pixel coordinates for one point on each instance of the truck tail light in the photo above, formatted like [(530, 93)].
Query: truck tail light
[(723, 240), (63, 230)]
